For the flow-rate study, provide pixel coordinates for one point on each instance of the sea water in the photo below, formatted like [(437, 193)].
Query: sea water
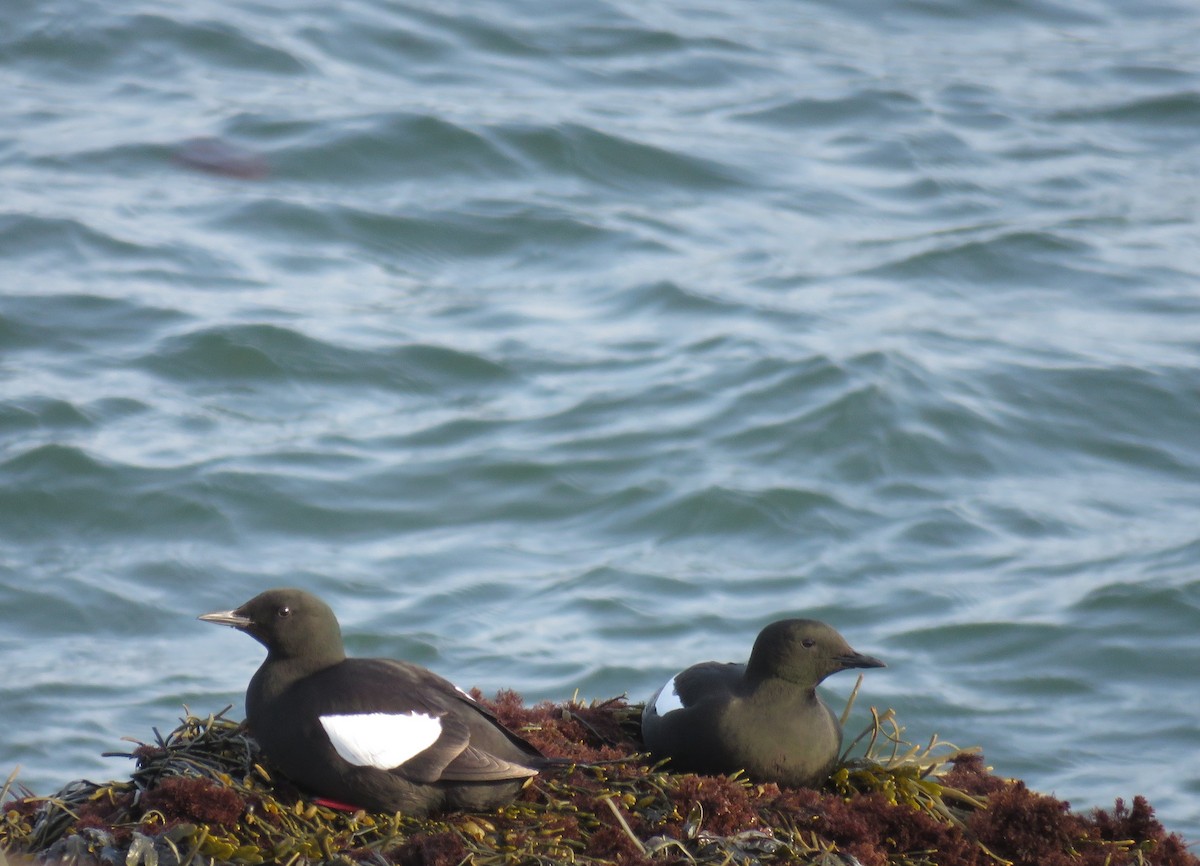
[(559, 346)]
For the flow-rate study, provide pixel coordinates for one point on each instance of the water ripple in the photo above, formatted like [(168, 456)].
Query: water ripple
[(562, 346)]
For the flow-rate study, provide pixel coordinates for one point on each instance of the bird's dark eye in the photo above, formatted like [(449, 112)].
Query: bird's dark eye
[(284, 612), (807, 643)]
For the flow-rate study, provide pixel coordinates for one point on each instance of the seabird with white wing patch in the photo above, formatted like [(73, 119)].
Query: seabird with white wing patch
[(763, 717), (377, 734)]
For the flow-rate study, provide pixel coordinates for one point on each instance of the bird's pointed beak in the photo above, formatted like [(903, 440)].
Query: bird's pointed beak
[(231, 618), (858, 660)]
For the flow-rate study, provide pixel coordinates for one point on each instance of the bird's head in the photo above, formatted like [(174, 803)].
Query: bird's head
[(290, 623), (804, 651)]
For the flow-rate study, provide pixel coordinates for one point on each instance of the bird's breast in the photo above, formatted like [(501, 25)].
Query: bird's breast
[(793, 742)]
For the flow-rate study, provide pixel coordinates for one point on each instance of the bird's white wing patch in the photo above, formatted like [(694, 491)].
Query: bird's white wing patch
[(668, 699), (381, 740)]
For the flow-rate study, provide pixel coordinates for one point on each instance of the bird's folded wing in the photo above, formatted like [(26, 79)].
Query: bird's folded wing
[(705, 680), (452, 759), (475, 765), (382, 740), (428, 765)]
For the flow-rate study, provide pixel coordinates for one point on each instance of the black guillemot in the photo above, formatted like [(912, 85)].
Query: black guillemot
[(763, 717), (377, 734)]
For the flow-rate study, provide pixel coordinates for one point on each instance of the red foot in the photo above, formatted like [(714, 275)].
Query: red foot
[(335, 804)]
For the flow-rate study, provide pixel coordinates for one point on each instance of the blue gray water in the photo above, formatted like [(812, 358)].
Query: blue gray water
[(561, 345)]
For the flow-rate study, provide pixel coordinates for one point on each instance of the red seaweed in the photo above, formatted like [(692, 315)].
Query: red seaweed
[(206, 788)]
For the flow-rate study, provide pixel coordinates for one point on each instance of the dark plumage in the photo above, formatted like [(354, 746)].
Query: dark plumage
[(763, 717), (379, 734)]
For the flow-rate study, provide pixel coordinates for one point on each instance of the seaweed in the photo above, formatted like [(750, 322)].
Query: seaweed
[(204, 795)]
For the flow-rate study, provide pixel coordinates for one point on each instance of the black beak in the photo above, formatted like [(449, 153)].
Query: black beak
[(858, 660), (227, 617)]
